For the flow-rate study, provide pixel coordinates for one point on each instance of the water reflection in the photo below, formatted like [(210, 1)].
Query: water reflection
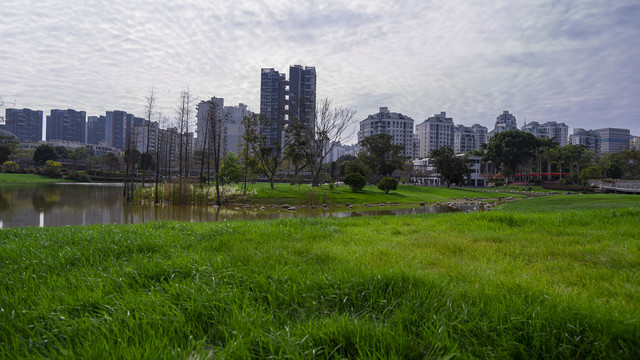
[(86, 204)]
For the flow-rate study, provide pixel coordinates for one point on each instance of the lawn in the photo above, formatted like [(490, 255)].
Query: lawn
[(503, 284), (405, 194), (11, 178)]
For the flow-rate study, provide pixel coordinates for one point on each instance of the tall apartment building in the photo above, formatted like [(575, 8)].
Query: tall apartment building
[(613, 140), (536, 129), (96, 130), (557, 131), (399, 126), (434, 133), (302, 94), (25, 124), (464, 139), (504, 122), (212, 114), (235, 130), (273, 103), (66, 125), (634, 143), (144, 133), (480, 133), (590, 139)]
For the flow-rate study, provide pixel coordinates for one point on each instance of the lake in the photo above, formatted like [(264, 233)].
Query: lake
[(87, 204)]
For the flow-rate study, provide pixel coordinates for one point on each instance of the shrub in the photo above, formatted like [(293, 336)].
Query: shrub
[(52, 168), (537, 181), (10, 166), (355, 181), (78, 176), (387, 184)]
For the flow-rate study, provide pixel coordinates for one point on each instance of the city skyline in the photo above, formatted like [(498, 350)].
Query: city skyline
[(549, 61)]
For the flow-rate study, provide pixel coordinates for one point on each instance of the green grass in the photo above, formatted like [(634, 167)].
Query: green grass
[(406, 194), (26, 178), (518, 284), (572, 202)]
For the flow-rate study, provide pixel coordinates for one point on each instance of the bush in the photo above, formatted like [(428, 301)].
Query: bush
[(10, 166), (355, 181), (537, 181), (78, 176), (387, 184)]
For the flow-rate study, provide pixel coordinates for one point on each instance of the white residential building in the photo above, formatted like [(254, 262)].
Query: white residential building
[(590, 139), (463, 139), (480, 135), (504, 122), (399, 126), (434, 133), (557, 131)]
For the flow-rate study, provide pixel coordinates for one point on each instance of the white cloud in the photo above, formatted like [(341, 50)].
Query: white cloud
[(571, 61)]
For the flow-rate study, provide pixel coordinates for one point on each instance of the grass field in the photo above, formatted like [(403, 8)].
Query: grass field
[(6, 178), (406, 194), (511, 283)]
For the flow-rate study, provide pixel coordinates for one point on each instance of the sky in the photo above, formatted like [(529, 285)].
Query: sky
[(576, 62)]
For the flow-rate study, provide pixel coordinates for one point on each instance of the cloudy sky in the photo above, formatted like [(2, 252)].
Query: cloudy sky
[(576, 62)]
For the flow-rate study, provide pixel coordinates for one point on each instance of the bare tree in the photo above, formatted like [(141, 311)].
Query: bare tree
[(184, 124), (269, 157), (151, 100), (332, 125)]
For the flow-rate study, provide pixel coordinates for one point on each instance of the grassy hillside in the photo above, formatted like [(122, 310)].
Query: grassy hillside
[(10, 178), (406, 194), (556, 284)]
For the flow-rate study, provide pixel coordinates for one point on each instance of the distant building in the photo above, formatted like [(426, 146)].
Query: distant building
[(143, 132), (613, 140), (338, 151), (96, 130), (234, 129), (590, 139), (635, 142), (66, 125), (464, 139), (536, 129), (399, 126), (434, 133), (302, 94), (273, 103), (557, 131), (480, 135), (25, 124), (504, 122)]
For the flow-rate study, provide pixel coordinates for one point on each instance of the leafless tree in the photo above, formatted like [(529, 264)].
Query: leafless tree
[(332, 125)]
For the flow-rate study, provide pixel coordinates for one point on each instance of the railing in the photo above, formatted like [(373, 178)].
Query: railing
[(616, 186)]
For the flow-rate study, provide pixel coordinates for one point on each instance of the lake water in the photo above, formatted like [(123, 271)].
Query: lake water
[(86, 204)]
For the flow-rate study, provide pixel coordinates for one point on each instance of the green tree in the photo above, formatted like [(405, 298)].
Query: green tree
[(387, 184), (43, 153), (450, 168), (592, 172), (78, 154), (268, 156), (52, 168), (381, 155), (355, 181), (230, 172), (510, 149), (8, 145), (147, 162)]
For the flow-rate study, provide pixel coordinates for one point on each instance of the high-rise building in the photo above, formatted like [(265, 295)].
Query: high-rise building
[(536, 129), (464, 139), (480, 135), (146, 136), (434, 133), (25, 124), (613, 140), (302, 94), (557, 131), (273, 101), (590, 139), (504, 122), (96, 130), (66, 125), (234, 128), (399, 126)]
